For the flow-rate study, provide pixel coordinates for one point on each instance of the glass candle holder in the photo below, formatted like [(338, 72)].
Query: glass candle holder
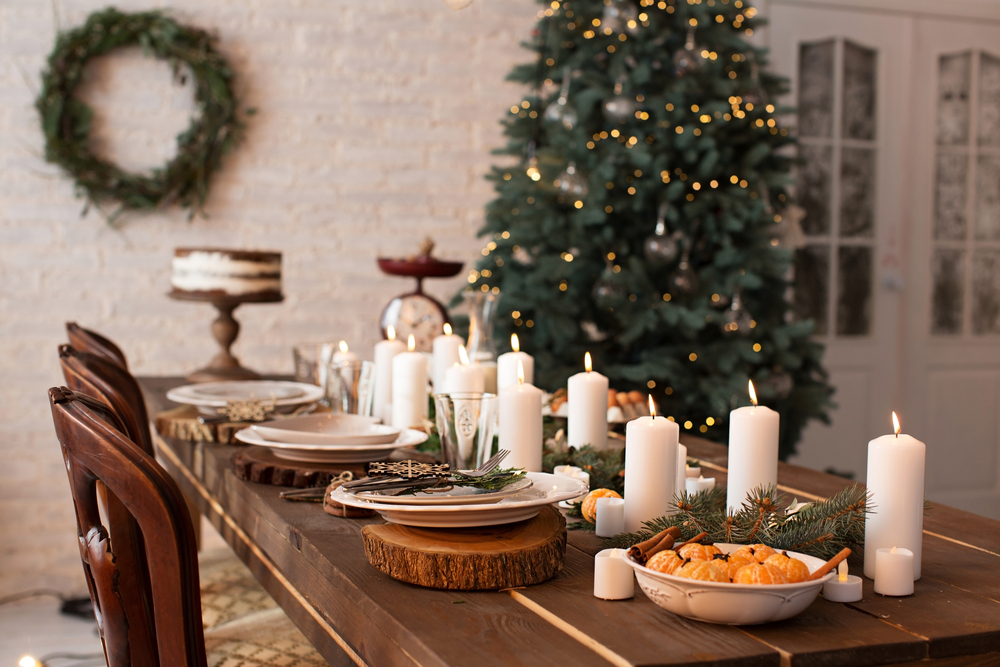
[(350, 387), (466, 423)]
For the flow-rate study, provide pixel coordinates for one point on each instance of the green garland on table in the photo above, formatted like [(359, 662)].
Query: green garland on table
[(818, 529), (66, 120)]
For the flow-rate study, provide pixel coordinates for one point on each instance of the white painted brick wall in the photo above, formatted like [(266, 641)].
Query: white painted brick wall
[(375, 125)]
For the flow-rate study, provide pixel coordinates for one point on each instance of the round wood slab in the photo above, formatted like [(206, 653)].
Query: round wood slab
[(487, 558), (259, 464)]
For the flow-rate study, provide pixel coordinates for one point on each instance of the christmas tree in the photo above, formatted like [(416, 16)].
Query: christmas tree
[(642, 219)]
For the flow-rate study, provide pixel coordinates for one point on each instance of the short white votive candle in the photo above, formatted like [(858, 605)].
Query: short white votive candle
[(894, 571), (693, 471), (694, 485), (844, 587), (613, 578), (610, 517), (574, 472)]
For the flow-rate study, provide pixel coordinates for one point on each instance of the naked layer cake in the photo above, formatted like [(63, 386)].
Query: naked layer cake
[(212, 272)]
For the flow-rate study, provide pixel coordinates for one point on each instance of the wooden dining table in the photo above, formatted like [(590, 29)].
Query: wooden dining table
[(314, 565)]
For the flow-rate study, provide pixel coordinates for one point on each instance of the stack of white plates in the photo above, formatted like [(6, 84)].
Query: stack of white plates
[(208, 397), (463, 507), (330, 438)]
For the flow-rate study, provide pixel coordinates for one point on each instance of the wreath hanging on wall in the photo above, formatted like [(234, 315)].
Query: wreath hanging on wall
[(66, 120)]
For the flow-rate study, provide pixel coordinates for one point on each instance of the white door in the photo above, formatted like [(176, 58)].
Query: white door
[(952, 367), (849, 82)]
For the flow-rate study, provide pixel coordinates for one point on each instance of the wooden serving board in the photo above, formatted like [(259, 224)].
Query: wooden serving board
[(487, 558)]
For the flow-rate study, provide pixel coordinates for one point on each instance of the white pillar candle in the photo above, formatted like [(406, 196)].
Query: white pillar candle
[(609, 516), (520, 416), (693, 485), (650, 468), (507, 365), (489, 369), (385, 350), (343, 354), (409, 387), (844, 587), (613, 578), (753, 451), (896, 484), (588, 408), (894, 571), (444, 356), (464, 377), (681, 474)]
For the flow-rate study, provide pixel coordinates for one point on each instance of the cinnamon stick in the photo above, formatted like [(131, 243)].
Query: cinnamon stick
[(829, 565), (641, 552), (697, 538)]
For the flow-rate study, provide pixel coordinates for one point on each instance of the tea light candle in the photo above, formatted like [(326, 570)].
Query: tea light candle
[(464, 377), (693, 485), (507, 365), (844, 588), (444, 355), (681, 474), (894, 571), (588, 414), (650, 468), (409, 387), (753, 450), (896, 483), (610, 517), (693, 471), (520, 414), (613, 579), (574, 472), (385, 350)]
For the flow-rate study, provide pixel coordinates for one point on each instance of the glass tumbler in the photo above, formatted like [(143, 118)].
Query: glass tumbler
[(350, 387), (466, 423), (311, 360)]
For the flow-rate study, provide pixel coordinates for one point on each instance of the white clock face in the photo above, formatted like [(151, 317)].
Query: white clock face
[(414, 314)]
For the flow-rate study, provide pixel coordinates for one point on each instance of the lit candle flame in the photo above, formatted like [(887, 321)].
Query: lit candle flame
[(892, 550), (411, 343), (390, 332), (520, 370), (652, 407), (515, 344), (447, 329), (895, 424), (27, 661), (343, 346), (753, 394), (587, 363), (842, 571), (463, 355)]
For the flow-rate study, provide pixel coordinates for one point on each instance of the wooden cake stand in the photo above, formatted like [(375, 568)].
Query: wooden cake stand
[(224, 366)]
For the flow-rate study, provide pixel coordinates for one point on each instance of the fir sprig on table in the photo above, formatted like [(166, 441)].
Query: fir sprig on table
[(819, 529), (494, 481)]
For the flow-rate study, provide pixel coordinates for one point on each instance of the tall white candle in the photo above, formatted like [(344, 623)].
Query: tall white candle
[(588, 408), (464, 377), (753, 450), (409, 387), (896, 484), (520, 416), (650, 468), (682, 459), (343, 354), (893, 571), (444, 356), (385, 350), (507, 365)]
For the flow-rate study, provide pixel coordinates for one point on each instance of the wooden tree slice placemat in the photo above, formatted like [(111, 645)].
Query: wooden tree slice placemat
[(260, 465), (487, 558), (182, 423)]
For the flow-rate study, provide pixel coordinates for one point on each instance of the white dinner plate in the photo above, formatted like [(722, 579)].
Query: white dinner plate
[(328, 429), (332, 453), (545, 489), (456, 495), (218, 394)]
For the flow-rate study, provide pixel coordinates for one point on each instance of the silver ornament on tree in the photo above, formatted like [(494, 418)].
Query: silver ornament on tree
[(571, 184), (560, 111), (738, 320), (661, 248), (687, 60), (778, 381), (620, 108), (608, 287), (684, 280), (620, 16)]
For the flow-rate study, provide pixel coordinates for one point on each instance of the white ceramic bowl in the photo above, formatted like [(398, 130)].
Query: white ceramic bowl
[(729, 604), (328, 429)]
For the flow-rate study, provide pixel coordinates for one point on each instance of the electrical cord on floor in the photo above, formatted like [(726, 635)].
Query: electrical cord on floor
[(78, 607)]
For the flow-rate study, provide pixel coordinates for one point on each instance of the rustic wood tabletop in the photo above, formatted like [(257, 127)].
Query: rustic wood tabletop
[(315, 567)]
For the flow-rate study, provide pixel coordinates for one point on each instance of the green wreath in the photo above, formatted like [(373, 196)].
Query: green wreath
[(66, 120)]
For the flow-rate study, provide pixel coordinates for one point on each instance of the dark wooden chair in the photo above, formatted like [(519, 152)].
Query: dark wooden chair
[(94, 343), (148, 610)]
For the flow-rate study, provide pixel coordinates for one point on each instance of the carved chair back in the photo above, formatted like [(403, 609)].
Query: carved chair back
[(99, 378), (94, 343), (166, 632)]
